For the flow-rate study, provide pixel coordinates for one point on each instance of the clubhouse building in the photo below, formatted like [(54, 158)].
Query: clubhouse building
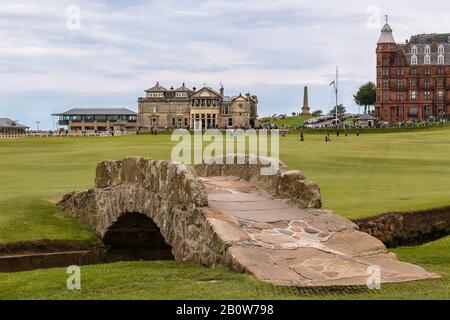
[(413, 79), (8, 126), (98, 119), (190, 109)]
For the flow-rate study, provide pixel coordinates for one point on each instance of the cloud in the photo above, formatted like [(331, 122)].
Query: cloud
[(273, 47)]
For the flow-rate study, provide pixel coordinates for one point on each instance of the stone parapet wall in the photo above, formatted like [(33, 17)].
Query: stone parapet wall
[(408, 228), (283, 183), (170, 194)]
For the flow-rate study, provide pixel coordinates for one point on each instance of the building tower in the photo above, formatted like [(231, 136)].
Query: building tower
[(386, 54), (305, 110)]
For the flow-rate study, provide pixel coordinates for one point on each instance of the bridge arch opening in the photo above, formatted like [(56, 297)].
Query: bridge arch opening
[(134, 236)]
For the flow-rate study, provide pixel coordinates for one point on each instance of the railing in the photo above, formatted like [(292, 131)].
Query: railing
[(62, 135)]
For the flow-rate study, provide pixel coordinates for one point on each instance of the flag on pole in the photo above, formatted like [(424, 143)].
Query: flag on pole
[(332, 83)]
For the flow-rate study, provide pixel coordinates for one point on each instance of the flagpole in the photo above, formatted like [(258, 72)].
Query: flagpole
[(336, 91)]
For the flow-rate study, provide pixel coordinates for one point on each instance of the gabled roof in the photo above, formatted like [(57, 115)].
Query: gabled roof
[(199, 92), (8, 123), (156, 88), (97, 112), (183, 89)]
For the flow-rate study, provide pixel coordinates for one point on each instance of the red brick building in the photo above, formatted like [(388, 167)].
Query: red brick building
[(413, 79)]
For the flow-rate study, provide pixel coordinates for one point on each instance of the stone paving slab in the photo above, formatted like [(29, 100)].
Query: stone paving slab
[(283, 244)]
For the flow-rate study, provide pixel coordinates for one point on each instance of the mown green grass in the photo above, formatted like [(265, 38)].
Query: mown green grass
[(359, 176), (170, 280), (292, 122)]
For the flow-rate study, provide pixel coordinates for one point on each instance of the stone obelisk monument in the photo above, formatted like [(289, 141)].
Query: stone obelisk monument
[(305, 110)]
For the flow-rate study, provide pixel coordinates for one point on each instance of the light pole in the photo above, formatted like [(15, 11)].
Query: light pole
[(37, 125)]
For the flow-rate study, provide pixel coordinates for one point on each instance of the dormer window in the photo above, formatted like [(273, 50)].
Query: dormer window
[(427, 59), (441, 49), (427, 50), (181, 95), (414, 50), (414, 59), (441, 59), (155, 95)]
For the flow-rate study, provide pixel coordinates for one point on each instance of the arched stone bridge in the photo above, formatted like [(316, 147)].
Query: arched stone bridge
[(231, 216)]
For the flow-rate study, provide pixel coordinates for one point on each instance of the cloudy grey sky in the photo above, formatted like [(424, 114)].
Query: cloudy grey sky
[(269, 47)]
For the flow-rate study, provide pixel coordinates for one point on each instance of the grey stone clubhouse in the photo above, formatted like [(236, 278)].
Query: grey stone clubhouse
[(204, 108)]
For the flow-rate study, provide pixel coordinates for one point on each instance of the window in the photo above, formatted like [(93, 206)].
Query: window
[(400, 84), (441, 49), (427, 95), (441, 59), (155, 109), (180, 109), (440, 82), (385, 72), (413, 82), (427, 59), (414, 95), (414, 72), (180, 95), (427, 72), (385, 83), (399, 96), (399, 72), (414, 59), (412, 112), (155, 95), (427, 50), (440, 71), (399, 112), (427, 84), (440, 95), (414, 50), (230, 122), (226, 110), (427, 111), (385, 96)]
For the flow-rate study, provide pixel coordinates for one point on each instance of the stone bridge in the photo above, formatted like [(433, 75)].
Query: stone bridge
[(231, 216)]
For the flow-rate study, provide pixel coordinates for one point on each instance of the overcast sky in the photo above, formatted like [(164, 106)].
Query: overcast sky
[(271, 48)]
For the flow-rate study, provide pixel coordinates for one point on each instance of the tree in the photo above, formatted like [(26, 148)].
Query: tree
[(317, 113), (340, 110), (366, 96)]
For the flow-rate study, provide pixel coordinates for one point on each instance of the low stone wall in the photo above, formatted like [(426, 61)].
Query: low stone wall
[(284, 183), (411, 228)]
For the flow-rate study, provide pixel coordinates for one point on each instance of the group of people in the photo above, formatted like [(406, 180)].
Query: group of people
[(328, 135)]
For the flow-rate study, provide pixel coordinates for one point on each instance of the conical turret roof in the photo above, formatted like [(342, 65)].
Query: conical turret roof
[(386, 33)]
